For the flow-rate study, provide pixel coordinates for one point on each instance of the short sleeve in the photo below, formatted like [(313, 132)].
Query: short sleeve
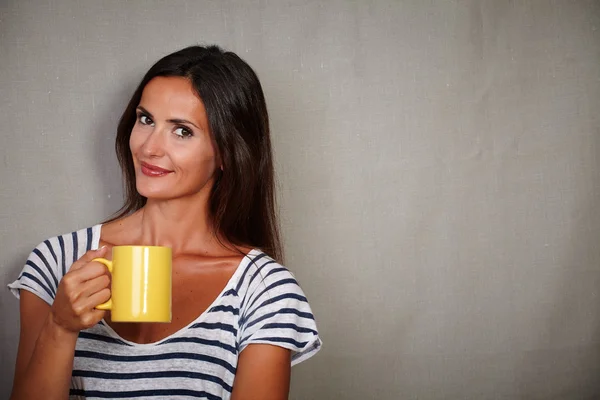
[(40, 274), (277, 312)]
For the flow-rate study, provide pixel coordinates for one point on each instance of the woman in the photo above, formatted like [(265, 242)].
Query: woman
[(195, 152)]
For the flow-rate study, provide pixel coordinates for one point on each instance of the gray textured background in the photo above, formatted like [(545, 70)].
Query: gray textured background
[(439, 164)]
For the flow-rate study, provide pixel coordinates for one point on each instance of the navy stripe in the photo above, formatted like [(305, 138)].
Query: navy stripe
[(38, 253), (36, 280), (256, 273), (278, 340), (27, 286), (39, 271), (61, 242), (253, 261), (275, 270), (280, 282), (155, 357), (205, 342), (143, 393), (258, 270), (231, 309), (274, 300), (282, 311), (299, 329), (101, 338), (230, 292), (149, 375), (49, 246), (75, 246), (216, 325), (88, 245)]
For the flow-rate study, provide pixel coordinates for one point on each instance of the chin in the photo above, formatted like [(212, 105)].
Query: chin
[(156, 193), (165, 190)]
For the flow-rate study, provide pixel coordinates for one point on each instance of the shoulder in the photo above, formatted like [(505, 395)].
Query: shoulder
[(51, 259), (267, 287), (260, 272), (57, 253), (73, 242), (274, 309)]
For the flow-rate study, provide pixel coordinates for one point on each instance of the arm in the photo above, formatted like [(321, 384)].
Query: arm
[(276, 330), (45, 355), (49, 334), (263, 373)]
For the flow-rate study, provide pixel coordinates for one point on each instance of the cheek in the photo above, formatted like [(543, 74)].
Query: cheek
[(201, 162), (135, 141)]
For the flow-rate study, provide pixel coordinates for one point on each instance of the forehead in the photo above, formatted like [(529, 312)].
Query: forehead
[(173, 97)]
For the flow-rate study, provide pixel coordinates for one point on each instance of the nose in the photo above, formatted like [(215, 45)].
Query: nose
[(154, 144)]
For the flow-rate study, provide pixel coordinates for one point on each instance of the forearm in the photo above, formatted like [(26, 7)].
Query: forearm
[(48, 373)]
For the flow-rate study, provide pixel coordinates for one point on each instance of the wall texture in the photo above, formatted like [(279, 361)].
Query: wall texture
[(439, 166)]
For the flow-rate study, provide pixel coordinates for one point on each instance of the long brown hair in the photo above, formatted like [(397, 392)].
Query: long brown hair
[(242, 201)]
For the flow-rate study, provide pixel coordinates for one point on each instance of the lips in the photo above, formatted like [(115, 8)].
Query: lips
[(153, 170)]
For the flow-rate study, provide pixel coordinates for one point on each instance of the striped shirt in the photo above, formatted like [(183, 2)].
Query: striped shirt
[(261, 303)]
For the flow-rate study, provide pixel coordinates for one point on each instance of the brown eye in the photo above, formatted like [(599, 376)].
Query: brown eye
[(183, 132), (144, 120)]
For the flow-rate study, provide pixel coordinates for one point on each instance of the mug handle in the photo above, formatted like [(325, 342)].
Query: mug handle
[(109, 265)]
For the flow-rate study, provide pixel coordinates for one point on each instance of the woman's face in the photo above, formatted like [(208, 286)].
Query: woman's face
[(173, 153)]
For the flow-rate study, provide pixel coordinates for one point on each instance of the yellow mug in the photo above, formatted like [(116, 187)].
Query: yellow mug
[(141, 284)]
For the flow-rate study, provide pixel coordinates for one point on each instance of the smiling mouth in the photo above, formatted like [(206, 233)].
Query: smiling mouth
[(153, 170)]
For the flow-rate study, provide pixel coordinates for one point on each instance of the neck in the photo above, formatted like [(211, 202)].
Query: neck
[(182, 224)]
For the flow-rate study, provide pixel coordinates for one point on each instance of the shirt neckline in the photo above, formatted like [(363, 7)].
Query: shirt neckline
[(230, 285)]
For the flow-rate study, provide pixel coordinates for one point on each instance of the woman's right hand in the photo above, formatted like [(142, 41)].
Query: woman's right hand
[(85, 286)]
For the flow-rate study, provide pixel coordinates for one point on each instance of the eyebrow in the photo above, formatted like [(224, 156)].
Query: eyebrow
[(172, 120)]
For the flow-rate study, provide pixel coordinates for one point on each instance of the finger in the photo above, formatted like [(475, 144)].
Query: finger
[(89, 256), (83, 305), (94, 285), (89, 271), (97, 298), (91, 318), (94, 317)]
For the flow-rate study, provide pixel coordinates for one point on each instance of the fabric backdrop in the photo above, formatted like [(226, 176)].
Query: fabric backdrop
[(439, 169)]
